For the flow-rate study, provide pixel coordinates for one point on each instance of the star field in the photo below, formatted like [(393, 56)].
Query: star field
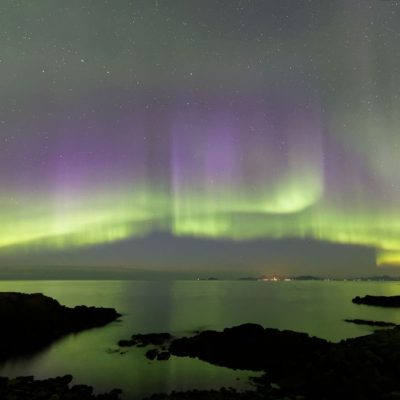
[(219, 120)]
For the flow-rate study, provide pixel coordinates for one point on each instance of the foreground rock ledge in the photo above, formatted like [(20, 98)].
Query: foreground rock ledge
[(29, 322), (26, 388), (298, 366)]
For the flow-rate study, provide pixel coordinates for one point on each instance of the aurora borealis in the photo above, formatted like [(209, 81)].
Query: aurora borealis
[(226, 120)]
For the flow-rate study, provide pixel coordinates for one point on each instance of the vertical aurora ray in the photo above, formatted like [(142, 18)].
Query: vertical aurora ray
[(273, 120), (254, 169), (279, 172)]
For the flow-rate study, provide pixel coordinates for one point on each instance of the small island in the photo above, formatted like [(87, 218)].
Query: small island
[(378, 301), (379, 324)]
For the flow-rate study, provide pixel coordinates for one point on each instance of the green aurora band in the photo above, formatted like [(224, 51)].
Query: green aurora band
[(105, 219), (276, 119)]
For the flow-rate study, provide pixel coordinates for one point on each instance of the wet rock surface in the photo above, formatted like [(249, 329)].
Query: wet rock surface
[(29, 322)]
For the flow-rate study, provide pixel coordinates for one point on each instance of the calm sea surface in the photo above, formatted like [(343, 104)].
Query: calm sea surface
[(180, 307)]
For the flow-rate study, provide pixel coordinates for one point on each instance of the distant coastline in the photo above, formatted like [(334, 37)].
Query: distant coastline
[(91, 273), (276, 278)]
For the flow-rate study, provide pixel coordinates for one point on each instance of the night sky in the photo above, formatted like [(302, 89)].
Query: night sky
[(223, 135)]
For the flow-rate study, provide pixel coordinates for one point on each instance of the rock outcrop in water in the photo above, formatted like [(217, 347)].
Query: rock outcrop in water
[(143, 340), (32, 321), (379, 324), (249, 347), (379, 301), (297, 366)]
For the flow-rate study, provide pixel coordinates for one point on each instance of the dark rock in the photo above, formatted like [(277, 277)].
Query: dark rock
[(382, 324), (155, 339), (27, 388), (32, 321), (82, 390), (144, 340), (152, 354), (379, 301), (127, 343), (247, 346), (222, 394), (299, 366), (163, 356)]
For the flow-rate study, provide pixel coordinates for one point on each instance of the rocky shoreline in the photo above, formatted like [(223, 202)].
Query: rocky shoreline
[(30, 322), (27, 388), (295, 365), (33, 321)]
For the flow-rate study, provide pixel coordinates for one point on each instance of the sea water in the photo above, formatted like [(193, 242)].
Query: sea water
[(181, 308)]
